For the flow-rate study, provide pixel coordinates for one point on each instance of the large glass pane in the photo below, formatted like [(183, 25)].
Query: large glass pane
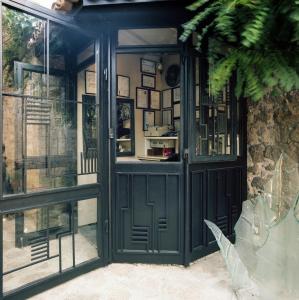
[(24, 42), (148, 107), (42, 241), (149, 36), (213, 115), (47, 144)]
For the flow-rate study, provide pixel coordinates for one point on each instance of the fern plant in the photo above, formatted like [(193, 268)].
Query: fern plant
[(256, 39)]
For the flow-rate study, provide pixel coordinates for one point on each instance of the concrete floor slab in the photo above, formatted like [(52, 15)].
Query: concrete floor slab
[(206, 279)]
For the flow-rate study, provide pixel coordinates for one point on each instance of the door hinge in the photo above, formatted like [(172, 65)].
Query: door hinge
[(106, 226), (106, 74), (111, 134), (186, 154)]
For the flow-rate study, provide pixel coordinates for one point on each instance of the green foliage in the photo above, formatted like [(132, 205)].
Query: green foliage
[(256, 39), (17, 31)]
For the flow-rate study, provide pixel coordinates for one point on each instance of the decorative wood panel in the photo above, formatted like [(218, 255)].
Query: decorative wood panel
[(217, 195), (148, 214)]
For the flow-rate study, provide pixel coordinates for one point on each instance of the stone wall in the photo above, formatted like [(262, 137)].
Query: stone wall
[(273, 128)]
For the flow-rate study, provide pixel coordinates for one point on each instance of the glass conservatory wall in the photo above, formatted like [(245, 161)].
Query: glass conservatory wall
[(49, 141)]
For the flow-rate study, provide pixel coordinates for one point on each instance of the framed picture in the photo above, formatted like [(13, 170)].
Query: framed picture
[(177, 95), (177, 110), (155, 100), (149, 117), (148, 66), (167, 98), (123, 86), (90, 82), (167, 117), (177, 124), (142, 98), (148, 81)]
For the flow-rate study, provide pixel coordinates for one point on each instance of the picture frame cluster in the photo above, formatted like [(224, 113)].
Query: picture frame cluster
[(147, 96), (150, 99)]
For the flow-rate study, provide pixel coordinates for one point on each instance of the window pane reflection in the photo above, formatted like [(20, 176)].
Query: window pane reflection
[(24, 41), (213, 114), (46, 145), (50, 132)]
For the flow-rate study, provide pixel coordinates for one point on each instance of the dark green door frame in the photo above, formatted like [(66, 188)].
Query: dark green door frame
[(148, 174)]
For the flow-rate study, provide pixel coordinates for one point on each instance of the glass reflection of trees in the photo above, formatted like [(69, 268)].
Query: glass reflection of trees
[(39, 105)]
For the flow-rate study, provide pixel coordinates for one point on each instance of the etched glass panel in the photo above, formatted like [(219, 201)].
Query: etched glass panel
[(263, 263)]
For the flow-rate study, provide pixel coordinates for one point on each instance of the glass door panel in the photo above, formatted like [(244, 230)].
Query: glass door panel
[(148, 107)]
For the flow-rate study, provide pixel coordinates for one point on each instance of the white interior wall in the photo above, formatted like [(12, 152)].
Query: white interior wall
[(87, 210)]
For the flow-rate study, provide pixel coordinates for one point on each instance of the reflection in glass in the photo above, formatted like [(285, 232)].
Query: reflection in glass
[(213, 118), (41, 241), (50, 137), (24, 42), (51, 160), (125, 127)]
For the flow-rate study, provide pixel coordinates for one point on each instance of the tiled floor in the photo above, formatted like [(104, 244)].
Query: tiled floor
[(206, 279)]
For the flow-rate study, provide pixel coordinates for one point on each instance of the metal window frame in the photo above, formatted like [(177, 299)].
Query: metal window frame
[(192, 116)]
